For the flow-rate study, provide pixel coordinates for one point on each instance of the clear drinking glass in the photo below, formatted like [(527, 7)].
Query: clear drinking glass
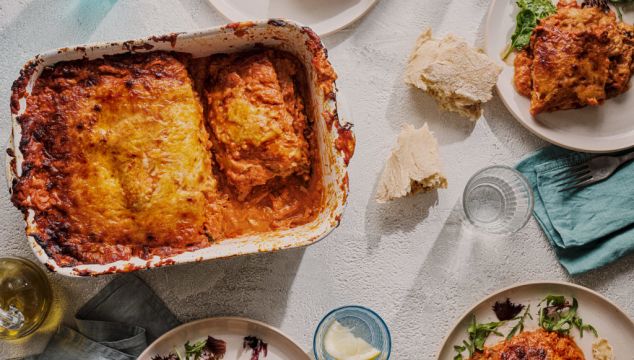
[(25, 297), (363, 322), (498, 200)]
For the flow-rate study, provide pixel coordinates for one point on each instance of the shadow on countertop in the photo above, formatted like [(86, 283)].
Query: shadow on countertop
[(253, 286), (78, 18), (470, 265), (402, 215)]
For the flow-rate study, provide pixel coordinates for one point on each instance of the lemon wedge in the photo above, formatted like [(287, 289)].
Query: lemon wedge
[(341, 344)]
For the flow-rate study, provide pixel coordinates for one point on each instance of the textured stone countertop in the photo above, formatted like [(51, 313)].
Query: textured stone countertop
[(409, 260)]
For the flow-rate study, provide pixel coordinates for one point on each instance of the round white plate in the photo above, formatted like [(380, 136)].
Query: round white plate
[(232, 330), (604, 128), (323, 16), (610, 321)]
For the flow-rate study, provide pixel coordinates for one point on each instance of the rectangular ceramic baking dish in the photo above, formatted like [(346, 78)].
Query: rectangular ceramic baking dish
[(335, 138)]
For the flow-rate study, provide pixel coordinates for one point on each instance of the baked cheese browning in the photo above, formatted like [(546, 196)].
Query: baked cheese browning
[(578, 56), (269, 168), (258, 121), (116, 160), (533, 345)]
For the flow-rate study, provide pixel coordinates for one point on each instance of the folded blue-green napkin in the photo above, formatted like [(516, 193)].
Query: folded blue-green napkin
[(589, 227), (117, 324)]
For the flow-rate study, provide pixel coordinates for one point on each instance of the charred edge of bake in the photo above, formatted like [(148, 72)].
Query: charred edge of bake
[(50, 267), (18, 88), (133, 46), (42, 243), (82, 272), (345, 141), (314, 41), (239, 28), (330, 117), (171, 38), (277, 22)]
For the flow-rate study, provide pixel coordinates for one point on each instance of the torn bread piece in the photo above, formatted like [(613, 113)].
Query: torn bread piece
[(457, 75), (413, 166)]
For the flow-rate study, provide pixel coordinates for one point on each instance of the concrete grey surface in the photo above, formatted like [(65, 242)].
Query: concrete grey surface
[(410, 260)]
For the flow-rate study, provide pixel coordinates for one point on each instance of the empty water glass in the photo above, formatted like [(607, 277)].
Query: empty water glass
[(498, 200)]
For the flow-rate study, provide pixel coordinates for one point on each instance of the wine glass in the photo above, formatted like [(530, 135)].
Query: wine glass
[(25, 297)]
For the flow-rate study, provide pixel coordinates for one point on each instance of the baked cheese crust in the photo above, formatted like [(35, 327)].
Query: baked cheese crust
[(258, 120), (116, 160), (264, 146), (577, 57), (533, 345)]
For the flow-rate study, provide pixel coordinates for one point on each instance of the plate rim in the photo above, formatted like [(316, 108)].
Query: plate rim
[(525, 124), (272, 328), (522, 284), (327, 31)]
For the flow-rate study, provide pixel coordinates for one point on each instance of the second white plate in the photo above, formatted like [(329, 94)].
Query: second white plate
[(323, 16), (606, 128), (610, 321), (232, 330)]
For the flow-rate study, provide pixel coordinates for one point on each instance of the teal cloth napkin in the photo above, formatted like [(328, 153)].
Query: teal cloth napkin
[(117, 324), (590, 227)]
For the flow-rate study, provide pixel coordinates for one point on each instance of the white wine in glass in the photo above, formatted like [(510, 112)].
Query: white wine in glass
[(25, 297)]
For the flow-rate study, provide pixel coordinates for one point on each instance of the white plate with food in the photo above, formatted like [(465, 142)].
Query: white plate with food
[(541, 316), (579, 96), (224, 337), (323, 16)]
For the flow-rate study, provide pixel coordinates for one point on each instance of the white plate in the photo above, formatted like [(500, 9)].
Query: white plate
[(323, 16), (610, 321), (232, 330), (605, 128)]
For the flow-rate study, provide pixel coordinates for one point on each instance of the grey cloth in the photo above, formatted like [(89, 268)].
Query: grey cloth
[(117, 324)]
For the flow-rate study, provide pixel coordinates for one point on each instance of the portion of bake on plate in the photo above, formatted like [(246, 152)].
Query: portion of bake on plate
[(579, 56), (536, 344)]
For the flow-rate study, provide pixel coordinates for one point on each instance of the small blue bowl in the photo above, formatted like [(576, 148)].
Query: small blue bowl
[(364, 323)]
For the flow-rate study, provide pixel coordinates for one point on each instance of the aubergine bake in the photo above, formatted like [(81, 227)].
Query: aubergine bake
[(157, 153)]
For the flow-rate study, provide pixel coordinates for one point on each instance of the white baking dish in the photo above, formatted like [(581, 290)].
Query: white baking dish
[(334, 135)]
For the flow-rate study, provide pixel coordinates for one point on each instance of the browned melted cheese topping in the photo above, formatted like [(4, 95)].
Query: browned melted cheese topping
[(257, 119), (118, 161), (577, 57), (269, 170), (533, 345)]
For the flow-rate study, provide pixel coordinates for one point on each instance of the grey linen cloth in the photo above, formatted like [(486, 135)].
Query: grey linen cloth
[(117, 324)]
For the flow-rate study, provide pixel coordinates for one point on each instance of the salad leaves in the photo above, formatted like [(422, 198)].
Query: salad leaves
[(555, 314), (531, 11), (206, 349), (560, 316), (478, 334), (519, 326), (620, 3)]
